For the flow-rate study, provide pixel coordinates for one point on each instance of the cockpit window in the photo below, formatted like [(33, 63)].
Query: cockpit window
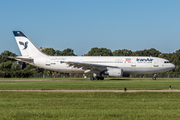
[(166, 62)]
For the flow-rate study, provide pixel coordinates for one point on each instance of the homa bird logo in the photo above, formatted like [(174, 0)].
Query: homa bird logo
[(24, 44)]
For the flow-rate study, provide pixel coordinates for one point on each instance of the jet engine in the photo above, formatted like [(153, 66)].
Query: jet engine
[(114, 72)]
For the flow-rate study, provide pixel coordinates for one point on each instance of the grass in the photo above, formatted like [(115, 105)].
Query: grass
[(41, 78), (89, 106), (90, 85)]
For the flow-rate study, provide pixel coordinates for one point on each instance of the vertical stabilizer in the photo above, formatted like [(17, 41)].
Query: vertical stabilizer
[(26, 47)]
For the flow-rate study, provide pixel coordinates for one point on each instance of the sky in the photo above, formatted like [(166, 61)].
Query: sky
[(84, 24)]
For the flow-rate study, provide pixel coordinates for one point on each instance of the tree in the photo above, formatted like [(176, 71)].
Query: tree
[(6, 66), (33, 69), (47, 72), (52, 52), (4, 56), (49, 51), (58, 53), (68, 52), (123, 52), (15, 67), (150, 52), (99, 52), (2, 73)]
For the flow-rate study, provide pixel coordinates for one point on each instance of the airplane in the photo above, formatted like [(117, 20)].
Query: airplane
[(115, 66)]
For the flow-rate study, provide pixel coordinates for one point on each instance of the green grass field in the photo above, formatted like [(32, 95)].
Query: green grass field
[(89, 106), (90, 85)]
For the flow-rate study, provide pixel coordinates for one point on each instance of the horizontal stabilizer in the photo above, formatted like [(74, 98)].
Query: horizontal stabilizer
[(23, 59)]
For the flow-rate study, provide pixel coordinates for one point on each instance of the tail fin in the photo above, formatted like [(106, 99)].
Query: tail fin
[(26, 47)]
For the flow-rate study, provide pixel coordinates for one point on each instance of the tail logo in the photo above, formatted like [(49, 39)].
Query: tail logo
[(24, 44)]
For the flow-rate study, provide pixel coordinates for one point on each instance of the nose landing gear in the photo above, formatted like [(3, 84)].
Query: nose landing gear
[(154, 77)]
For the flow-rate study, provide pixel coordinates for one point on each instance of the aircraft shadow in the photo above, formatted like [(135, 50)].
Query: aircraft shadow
[(120, 79)]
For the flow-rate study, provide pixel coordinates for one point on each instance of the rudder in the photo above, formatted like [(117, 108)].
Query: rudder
[(26, 47)]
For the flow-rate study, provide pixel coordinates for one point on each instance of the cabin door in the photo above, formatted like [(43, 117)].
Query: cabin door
[(156, 63), (48, 61), (133, 62)]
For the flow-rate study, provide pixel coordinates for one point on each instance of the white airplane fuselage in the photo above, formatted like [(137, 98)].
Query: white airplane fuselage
[(137, 65)]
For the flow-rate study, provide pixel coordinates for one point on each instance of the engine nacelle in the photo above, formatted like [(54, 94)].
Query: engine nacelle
[(114, 72)]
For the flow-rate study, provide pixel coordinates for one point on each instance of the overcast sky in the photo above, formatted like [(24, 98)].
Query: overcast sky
[(84, 24)]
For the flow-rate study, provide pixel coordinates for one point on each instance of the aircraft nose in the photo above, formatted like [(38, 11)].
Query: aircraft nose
[(172, 66)]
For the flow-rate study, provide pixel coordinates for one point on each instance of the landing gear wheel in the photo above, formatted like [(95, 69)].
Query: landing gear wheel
[(154, 77), (96, 78)]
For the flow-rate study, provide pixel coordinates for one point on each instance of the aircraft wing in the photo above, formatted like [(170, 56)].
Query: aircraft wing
[(89, 66)]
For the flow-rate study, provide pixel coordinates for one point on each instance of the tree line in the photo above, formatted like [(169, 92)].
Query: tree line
[(10, 67)]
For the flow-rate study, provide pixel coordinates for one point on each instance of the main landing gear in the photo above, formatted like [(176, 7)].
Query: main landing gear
[(154, 77), (95, 77)]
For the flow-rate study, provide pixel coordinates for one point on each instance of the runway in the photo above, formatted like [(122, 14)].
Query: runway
[(70, 91)]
